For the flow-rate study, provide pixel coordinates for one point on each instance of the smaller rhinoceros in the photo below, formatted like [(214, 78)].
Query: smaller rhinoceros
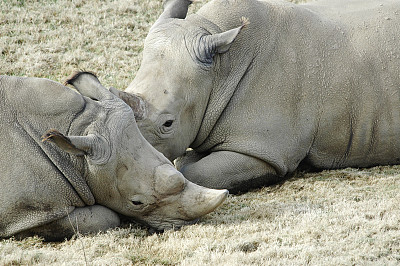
[(100, 167), (256, 88)]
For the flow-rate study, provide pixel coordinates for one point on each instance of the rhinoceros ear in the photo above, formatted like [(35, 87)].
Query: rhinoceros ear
[(173, 9), (93, 146), (137, 104), (88, 85), (63, 142), (219, 43)]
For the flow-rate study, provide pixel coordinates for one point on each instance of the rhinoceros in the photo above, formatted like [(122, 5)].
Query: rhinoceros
[(91, 165), (255, 88)]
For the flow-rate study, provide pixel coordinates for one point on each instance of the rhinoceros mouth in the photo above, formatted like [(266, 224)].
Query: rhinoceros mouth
[(162, 226)]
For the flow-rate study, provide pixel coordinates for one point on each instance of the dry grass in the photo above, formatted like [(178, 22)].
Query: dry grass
[(341, 217)]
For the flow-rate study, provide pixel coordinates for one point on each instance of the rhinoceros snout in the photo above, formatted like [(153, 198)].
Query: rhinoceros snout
[(185, 207), (195, 200)]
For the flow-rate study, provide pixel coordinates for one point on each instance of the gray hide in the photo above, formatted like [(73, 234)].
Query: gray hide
[(103, 167), (316, 83)]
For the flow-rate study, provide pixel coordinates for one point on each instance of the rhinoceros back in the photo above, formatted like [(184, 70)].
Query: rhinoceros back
[(34, 176), (360, 121)]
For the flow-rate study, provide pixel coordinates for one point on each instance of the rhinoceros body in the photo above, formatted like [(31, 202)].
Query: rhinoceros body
[(102, 168), (257, 87)]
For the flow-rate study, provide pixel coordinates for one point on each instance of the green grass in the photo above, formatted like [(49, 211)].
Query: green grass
[(342, 217)]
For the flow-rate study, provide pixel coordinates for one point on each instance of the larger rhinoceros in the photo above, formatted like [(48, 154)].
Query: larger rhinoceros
[(256, 87), (103, 167)]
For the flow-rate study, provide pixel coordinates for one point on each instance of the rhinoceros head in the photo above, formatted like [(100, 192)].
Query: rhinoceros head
[(175, 78), (124, 172)]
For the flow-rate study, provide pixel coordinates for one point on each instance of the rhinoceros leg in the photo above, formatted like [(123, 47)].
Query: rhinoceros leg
[(84, 220), (188, 158), (230, 170)]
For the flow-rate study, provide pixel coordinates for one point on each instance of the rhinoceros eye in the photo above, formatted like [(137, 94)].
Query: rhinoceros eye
[(168, 123), (137, 203)]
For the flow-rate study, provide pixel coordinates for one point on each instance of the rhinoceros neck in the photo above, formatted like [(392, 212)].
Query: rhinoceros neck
[(92, 119), (228, 72), (102, 120), (218, 97)]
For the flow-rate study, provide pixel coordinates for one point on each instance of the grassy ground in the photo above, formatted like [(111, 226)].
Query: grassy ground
[(342, 217)]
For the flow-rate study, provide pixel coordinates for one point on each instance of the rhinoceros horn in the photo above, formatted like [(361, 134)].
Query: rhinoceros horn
[(198, 201), (173, 9), (194, 200), (136, 102)]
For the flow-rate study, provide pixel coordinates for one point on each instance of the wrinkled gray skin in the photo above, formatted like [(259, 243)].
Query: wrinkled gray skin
[(316, 83), (103, 169)]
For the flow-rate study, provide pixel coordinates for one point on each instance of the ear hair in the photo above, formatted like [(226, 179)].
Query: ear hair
[(88, 85), (75, 75)]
